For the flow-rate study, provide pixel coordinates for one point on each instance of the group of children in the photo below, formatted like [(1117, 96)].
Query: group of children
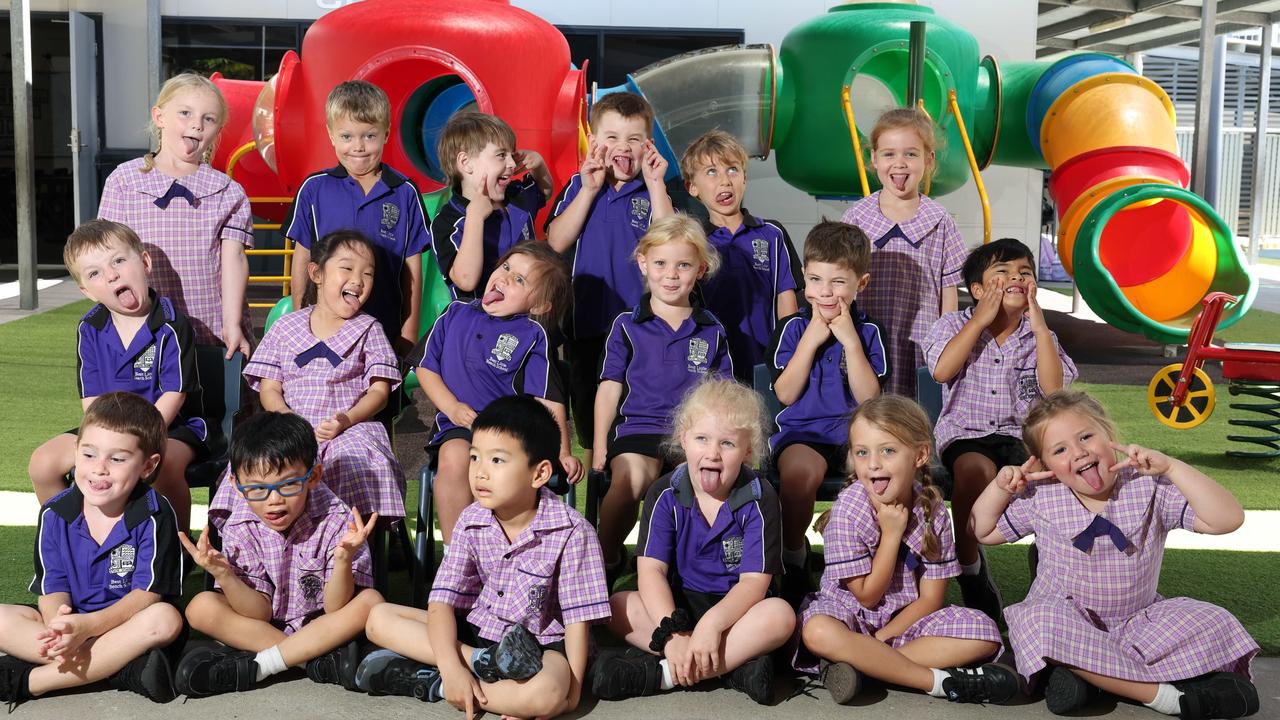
[(658, 317)]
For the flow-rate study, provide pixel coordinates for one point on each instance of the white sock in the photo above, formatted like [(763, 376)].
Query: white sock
[(938, 677), (270, 662), (795, 558), (972, 568), (1166, 700), (667, 684)]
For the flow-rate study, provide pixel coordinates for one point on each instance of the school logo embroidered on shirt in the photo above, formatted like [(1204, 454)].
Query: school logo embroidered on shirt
[(698, 355), (390, 215), (1028, 389), (760, 254), (122, 560), (144, 364), (537, 596), (502, 350), (640, 213), (731, 551), (312, 587)]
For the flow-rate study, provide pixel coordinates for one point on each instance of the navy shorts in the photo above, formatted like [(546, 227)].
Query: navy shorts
[(643, 444), (695, 603), (999, 449), (469, 634), (837, 456)]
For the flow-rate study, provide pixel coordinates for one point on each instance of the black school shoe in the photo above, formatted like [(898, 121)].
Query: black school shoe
[(1067, 692), (991, 683), (980, 592), (518, 656), (626, 675), (13, 680), (383, 672), (1217, 695), (207, 671), (336, 667), (754, 678), (797, 583), (842, 680), (149, 675)]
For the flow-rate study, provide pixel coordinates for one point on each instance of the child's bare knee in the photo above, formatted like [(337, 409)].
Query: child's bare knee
[(203, 609), (162, 623)]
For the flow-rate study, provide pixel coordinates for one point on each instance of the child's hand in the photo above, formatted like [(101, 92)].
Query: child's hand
[(1013, 479), (704, 646), (357, 534), (234, 339), (893, 520), (593, 168), (842, 326), (479, 202), (885, 636), (333, 427), (461, 415), (462, 690), (818, 329), (988, 307), (49, 638), (572, 468), (72, 630), (1034, 312), (680, 660), (653, 165), (213, 562), (1147, 461), (527, 161)]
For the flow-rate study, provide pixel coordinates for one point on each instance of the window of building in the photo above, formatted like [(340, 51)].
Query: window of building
[(616, 52), (238, 50)]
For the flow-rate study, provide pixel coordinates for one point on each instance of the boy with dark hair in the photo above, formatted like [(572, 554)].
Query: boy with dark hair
[(526, 570), (293, 573), (108, 568), (994, 361)]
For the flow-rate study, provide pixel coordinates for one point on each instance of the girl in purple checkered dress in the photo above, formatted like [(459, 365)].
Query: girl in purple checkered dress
[(1093, 614), (332, 364), (889, 551), (916, 250)]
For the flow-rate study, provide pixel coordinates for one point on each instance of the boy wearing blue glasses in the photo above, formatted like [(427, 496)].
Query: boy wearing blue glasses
[(293, 577)]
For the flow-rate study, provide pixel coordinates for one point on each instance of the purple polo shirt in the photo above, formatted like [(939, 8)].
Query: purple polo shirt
[(161, 358), (756, 265), (140, 553), (997, 386), (505, 228), (482, 358), (292, 567), (708, 558), (546, 579), (656, 364), (391, 216), (821, 413), (606, 279)]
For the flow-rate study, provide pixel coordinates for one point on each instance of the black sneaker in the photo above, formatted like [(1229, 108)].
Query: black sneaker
[(518, 656), (980, 592), (336, 667), (13, 680), (208, 671), (1217, 695), (991, 683), (1067, 692), (842, 680), (754, 678), (626, 675), (148, 675), (383, 672)]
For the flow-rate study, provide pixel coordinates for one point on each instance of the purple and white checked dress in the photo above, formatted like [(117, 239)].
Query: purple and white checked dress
[(293, 567), (551, 576), (850, 541), (1098, 609), (184, 238), (911, 263), (359, 465)]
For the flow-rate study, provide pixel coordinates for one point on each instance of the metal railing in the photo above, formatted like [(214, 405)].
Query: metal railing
[(286, 252), (1233, 180)]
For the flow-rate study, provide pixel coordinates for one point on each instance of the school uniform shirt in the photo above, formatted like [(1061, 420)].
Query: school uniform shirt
[(546, 579), (160, 358), (995, 390), (821, 413), (911, 263), (293, 567), (656, 364), (1093, 603), (482, 358), (320, 378), (709, 557), (606, 278), (182, 223), (852, 538), (390, 215), (505, 228), (140, 553), (757, 264)]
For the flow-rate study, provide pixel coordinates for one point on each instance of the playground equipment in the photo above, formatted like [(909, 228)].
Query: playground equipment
[(1182, 396), (1142, 248)]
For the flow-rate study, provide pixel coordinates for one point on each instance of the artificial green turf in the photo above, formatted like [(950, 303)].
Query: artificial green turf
[(1257, 326)]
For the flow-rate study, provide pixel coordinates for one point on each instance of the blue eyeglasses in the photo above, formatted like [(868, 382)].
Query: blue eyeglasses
[(285, 488)]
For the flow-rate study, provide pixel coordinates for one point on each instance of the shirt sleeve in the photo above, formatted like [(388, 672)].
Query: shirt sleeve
[(581, 586), (433, 355), (944, 328), (239, 223), (566, 196), (457, 581), (158, 565), (177, 358), (113, 205), (1171, 506), (50, 554), (762, 534), (88, 369), (785, 338), (617, 352), (1069, 372), (379, 359), (786, 277), (534, 377), (722, 361), (953, 253), (657, 538), (527, 195), (446, 238), (418, 230), (1017, 520), (267, 361), (872, 336), (846, 550), (300, 223), (946, 565)]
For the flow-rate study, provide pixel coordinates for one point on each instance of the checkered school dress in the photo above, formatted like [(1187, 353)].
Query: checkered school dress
[(851, 539), (1097, 609), (911, 262)]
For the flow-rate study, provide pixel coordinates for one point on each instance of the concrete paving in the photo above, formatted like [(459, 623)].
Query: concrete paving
[(52, 293)]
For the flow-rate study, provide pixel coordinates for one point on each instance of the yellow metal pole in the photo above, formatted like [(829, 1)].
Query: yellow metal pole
[(928, 179), (973, 167), (857, 145)]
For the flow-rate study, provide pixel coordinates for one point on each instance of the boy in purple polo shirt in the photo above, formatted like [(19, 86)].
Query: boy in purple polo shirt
[(708, 550), (135, 341), (524, 568), (108, 568), (826, 360), (757, 285), (362, 193), (491, 210), (994, 361), (293, 575), (600, 215)]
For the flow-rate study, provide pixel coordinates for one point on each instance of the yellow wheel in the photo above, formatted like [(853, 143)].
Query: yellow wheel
[(1195, 409)]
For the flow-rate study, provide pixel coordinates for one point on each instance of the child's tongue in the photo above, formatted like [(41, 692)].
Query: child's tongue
[(622, 164), (191, 144), (710, 480), (1093, 477), (899, 182), (879, 485), (128, 299), (491, 297)]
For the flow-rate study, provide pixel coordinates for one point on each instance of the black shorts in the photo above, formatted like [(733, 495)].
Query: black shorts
[(643, 444), (695, 603), (433, 450), (999, 449), (182, 434), (837, 456), (470, 635)]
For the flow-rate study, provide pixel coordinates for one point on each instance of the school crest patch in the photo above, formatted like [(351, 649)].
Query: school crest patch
[(537, 596), (1028, 388), (760, 253), (640, 213), (144, 364), (500, 355), (312, 587), (122, 560), (731, 551), (390, 215), (698, 355)]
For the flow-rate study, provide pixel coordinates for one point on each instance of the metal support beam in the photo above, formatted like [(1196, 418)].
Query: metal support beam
[(153, 50), (915, 69), (1259, 142), (1204, 89), (1079, 22), (1213, 160), (23, 151), (1223, 28)]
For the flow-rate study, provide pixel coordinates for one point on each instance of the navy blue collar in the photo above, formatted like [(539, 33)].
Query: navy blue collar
[(390, 177), (644, 311), (70, 505), (748, 221), (156, 317)]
